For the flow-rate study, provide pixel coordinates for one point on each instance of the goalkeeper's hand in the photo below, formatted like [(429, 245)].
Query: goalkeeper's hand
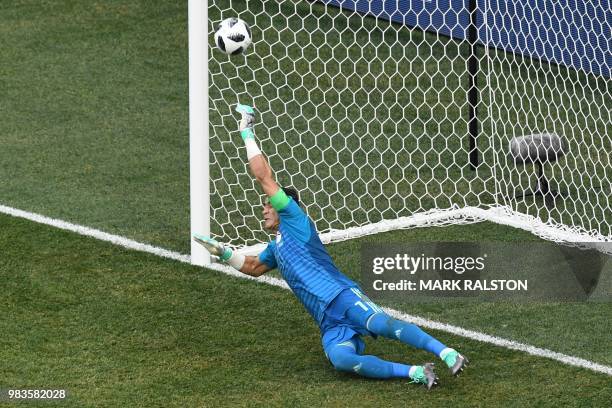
[(225, 254), (247, 121), (213, 247)]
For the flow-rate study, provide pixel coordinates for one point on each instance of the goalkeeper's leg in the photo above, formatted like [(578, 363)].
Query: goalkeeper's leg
[(364, 313), (384, 325), (344, 357)]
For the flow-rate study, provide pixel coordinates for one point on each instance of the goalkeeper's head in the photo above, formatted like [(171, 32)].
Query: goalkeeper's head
[(271, 217)]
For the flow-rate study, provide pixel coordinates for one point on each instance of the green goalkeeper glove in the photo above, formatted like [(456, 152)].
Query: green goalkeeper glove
[(246, 130), (224, 253), (247, 121), (213, 247)]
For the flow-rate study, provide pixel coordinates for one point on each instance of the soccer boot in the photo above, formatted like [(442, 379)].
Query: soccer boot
[(456, 362), (425, 375)]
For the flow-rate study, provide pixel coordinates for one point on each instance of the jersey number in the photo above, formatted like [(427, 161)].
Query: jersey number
[(361, 305)]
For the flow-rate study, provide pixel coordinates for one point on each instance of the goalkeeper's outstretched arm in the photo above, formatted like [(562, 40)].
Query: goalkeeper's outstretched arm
[(249, 265), (260, 168)]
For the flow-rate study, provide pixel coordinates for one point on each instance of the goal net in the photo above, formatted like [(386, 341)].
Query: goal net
[(371, 110)]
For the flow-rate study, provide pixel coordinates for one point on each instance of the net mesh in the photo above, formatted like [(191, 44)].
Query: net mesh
[(368, 119)]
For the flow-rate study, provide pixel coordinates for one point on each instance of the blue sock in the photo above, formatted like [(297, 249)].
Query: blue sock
[(384, 325), (346, 359), (401, 370)]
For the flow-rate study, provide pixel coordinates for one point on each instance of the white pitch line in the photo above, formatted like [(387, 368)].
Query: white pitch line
[(420, 321), (94, 233)]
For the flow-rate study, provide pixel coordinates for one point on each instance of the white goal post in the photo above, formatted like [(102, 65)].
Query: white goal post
[(198, 127), (375, 112)]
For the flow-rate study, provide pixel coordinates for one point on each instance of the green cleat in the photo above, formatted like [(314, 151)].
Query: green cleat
[(455, 362), (425, 375)]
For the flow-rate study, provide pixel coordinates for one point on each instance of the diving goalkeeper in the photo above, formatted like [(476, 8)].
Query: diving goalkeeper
[(336, 303)]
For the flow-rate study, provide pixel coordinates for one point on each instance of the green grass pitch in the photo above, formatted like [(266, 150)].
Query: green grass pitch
[(95, 131), (121, 328)]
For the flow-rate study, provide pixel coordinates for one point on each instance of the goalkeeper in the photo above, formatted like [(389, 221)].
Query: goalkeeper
[(336, 303)]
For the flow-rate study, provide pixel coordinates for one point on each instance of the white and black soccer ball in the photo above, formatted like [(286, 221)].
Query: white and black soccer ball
[(233, 36)]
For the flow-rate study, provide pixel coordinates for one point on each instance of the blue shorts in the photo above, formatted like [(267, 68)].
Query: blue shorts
[(336, 329)]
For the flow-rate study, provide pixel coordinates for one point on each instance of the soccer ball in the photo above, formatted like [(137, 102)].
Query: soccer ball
[(233, 36)]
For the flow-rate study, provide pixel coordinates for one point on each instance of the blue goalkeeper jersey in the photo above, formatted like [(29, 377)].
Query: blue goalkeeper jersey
[(304, 262)]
